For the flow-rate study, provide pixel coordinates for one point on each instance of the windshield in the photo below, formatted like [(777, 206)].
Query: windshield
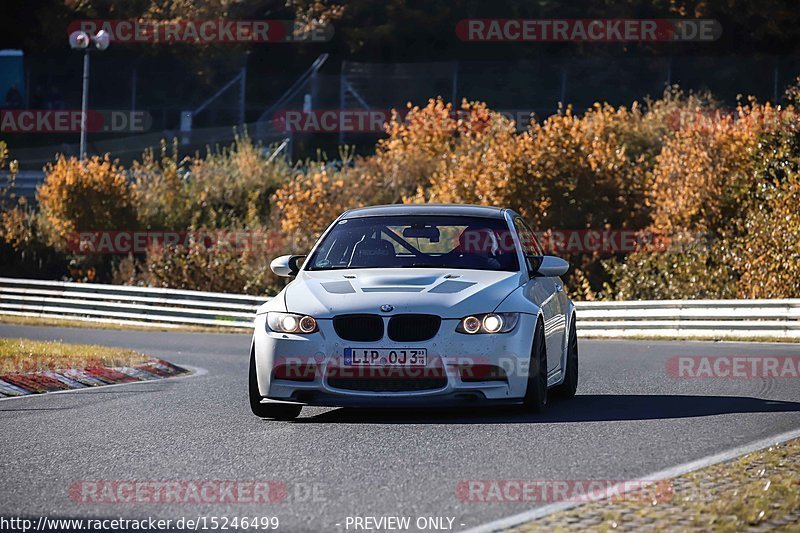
[(455, 242)]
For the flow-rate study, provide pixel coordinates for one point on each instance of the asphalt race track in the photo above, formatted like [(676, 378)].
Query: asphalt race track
[(630, 419)]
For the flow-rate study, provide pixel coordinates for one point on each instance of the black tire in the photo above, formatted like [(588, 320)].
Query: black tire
[(570, 385), (536, 392), (278, 411)]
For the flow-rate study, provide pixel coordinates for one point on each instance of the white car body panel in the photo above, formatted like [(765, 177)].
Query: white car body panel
[(444, 292)]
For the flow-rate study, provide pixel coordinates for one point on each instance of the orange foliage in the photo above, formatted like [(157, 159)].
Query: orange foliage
[(85, 195)]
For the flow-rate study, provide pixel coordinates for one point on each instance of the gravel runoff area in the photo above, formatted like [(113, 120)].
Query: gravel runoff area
[(757, 492)]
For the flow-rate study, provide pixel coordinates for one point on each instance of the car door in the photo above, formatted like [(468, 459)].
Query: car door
[(548, 293)]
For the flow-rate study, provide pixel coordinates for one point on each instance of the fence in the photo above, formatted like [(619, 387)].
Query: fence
[(540, 85), (170, 307), (24, 184), (122, 80)]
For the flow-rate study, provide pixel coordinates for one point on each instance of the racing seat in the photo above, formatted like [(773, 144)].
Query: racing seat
[(372, 253)]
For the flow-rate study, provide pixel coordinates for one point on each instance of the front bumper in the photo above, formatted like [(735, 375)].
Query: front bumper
[(453, 359)]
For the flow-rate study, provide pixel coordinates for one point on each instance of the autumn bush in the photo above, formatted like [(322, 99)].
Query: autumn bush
[(233, 186), (690, 267), (24, 244), (197, 266), (484, 162), (769, 254), (767, 251), (310, 202), (93, 194), (229, 187), (732, 179), (702, 174), (160, 191)]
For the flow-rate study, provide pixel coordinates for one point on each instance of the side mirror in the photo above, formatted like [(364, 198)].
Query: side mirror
[(286, 265), (547, 265)]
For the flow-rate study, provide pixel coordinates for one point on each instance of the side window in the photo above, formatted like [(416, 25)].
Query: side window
[(530, 246)]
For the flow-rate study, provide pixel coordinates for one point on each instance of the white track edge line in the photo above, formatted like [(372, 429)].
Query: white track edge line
[(675, 471)]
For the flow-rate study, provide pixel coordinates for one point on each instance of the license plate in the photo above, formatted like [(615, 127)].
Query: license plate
[(405, 357)]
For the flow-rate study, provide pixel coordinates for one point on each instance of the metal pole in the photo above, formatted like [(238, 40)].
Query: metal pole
[(775, 84), (314, 90), (84, 103), (669, 72), (133, 89), (342, 94), (242, 95), (455, 85)]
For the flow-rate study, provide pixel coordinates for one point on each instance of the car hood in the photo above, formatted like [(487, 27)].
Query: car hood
[(447, 293)]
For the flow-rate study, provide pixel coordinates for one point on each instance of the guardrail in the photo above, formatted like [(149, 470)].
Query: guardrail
[(170, 307), (691, 318), (121, 304)]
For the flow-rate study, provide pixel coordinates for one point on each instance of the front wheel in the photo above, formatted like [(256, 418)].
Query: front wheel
[(278, 411), (570, 385), (536, 392)]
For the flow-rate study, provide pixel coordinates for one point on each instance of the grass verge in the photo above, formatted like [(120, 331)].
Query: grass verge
[(759, 491), (24, 355)]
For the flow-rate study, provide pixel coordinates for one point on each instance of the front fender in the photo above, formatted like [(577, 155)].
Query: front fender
[(276, 303), (519, 302)]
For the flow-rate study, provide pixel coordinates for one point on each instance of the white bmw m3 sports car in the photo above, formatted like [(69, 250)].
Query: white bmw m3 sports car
[(417, 306)]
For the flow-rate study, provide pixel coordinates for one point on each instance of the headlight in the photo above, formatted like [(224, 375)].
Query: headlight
[(488, 323), (471, 324), (291, 323)]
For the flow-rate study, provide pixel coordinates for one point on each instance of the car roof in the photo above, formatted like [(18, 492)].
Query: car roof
[(426, 209)]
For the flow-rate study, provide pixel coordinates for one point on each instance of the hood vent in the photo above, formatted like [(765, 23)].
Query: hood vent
[(451, 287), (338, 287), (392, 289)]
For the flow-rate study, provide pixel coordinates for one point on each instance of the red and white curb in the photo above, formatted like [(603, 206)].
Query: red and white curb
[(18, 384)]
